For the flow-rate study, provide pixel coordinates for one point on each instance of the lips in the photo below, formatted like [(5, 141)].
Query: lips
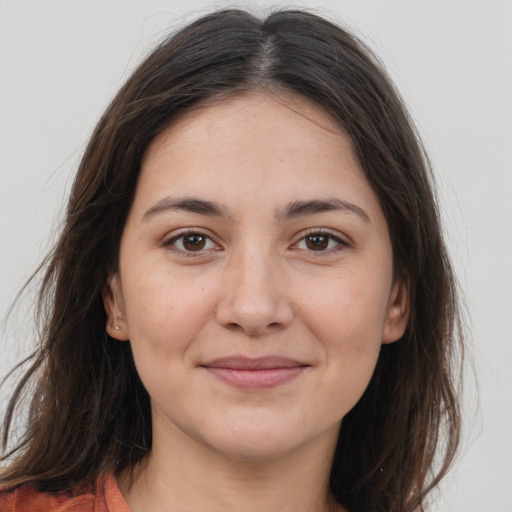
[(259, 373)]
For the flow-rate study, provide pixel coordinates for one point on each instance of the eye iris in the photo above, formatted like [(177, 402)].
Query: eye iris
[(194, 242), (317, 242)]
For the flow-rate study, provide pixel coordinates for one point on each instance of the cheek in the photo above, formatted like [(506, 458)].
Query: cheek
[(164, 318), (347, 316), (348, 311), (165, 311)]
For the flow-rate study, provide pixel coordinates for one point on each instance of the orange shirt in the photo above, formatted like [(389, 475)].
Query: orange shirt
[(27, 499)]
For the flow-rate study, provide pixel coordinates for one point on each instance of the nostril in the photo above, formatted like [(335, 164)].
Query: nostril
[(234, 326), (248, 313)]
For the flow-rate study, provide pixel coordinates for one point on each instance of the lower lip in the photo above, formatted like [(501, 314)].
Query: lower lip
[(256, 379)]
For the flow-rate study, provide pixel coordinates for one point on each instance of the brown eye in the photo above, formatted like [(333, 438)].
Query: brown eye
[(321, 242), (194, 242), (191, 242), (317, 242)]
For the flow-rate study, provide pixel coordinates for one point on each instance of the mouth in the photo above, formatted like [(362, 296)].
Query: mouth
[(259, 373)]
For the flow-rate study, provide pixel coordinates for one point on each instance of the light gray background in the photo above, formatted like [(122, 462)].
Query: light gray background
[(61, 61)]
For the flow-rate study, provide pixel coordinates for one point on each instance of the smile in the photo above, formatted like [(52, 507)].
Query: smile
[(260, 373)]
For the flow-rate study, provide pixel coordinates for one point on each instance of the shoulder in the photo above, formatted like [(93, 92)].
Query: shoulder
[(28, 499)]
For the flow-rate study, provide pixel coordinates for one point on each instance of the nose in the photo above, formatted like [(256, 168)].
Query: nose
[(254, 298)]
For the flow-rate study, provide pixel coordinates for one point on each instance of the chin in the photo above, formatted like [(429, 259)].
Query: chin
[(267, 443), (258, 450)]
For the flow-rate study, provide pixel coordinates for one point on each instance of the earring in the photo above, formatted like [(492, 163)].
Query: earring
[(116, 327)]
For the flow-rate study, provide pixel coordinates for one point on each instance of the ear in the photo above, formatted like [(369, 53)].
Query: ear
[(113, 302), (398, 311)]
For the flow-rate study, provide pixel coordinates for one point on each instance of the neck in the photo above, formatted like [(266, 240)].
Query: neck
[(192, 477)]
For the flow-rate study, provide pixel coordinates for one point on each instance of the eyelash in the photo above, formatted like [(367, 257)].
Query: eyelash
[(170, 243), (339, 243)]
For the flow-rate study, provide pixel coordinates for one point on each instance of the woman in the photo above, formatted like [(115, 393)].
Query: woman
[(250, 306)]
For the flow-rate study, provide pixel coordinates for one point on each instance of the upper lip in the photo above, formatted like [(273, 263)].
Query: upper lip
[(247, 363)]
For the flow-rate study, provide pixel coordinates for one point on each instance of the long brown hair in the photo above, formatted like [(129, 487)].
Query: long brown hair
[(89, 412)]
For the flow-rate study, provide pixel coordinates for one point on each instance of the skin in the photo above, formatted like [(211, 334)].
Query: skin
[(316, 287)]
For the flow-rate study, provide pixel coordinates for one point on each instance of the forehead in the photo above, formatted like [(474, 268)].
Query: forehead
[(258, 147)]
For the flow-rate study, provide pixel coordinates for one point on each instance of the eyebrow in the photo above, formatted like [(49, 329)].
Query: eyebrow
[(332, 204), (293, 210), (188, 204)]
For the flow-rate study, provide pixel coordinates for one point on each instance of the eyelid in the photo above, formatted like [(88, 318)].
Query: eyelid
[(341, 240), (172, 237)]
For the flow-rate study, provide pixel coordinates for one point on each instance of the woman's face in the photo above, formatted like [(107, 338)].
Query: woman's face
[(255, 279)]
